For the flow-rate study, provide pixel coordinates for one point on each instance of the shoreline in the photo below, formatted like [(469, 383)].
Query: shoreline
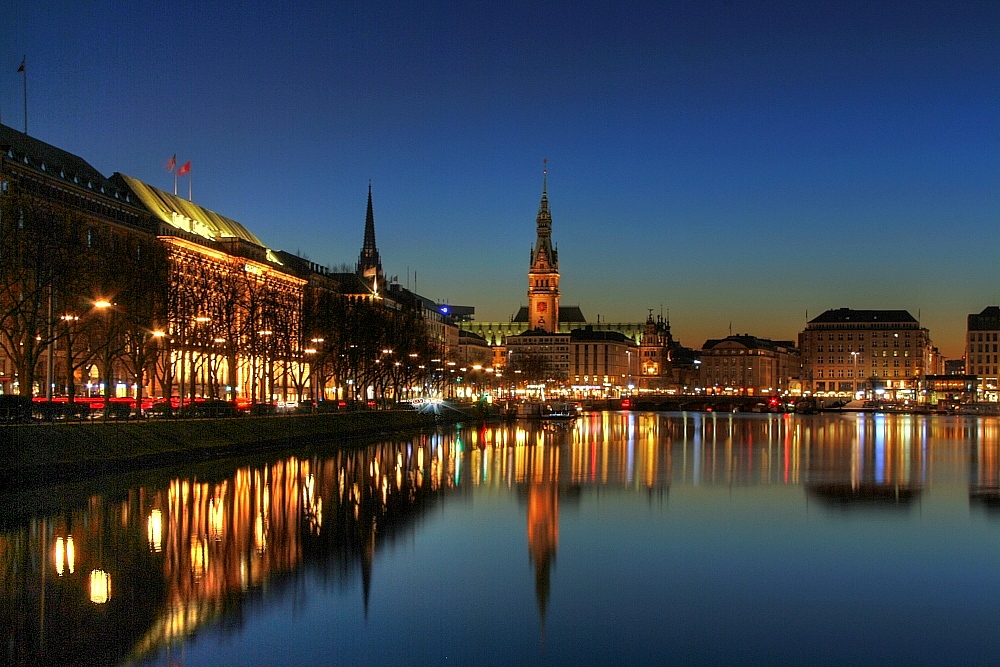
[(38, 454)]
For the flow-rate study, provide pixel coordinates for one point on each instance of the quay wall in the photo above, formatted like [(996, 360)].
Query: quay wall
[(31, 454)]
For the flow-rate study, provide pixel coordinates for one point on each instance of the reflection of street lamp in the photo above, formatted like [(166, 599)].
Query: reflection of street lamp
[(854, 357), (628, 382)]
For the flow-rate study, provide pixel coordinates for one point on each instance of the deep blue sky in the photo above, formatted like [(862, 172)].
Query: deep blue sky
[(730, 161)]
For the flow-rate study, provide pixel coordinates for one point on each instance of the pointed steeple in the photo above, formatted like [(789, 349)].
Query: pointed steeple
[(543, 273), (543, 250), (369, 263)]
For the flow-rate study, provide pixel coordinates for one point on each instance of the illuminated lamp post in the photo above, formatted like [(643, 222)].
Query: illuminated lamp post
[(103, 305), (317, 392)]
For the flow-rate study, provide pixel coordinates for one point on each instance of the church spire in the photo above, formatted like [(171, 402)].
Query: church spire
[(369, 263)]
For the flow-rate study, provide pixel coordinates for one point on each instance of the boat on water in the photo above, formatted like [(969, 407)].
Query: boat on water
[(549, 410)]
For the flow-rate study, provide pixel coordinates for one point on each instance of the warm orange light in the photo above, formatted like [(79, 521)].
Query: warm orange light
[(159, 334), (100, 586), (102, 304), (154, 531)]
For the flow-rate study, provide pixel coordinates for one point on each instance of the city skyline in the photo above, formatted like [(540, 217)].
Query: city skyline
[(732, 163)]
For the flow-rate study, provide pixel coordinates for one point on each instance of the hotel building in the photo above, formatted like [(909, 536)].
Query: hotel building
[(848, 352)]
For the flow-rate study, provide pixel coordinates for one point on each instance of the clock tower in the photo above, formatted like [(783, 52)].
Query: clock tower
[(543, 275)]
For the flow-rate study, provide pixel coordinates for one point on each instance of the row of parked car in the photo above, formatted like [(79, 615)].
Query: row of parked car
[(21, 409)]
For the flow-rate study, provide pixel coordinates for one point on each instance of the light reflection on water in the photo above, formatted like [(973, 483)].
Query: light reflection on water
[(623, 536)]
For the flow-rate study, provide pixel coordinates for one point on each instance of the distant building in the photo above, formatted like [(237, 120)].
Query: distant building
[(954, 366), (602, 359), (473, 351), (846, 351), (538, 356), (982, 350), (747, 365)]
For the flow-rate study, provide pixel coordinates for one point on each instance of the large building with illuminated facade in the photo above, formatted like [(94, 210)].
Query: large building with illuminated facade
[(227, 321), (848, 352)]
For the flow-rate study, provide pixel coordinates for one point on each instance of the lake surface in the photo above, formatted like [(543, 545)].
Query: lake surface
[(627, 538)]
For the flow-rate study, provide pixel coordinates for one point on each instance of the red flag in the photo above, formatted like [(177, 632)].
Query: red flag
[(21, 68), (172, 162), (185, 168)]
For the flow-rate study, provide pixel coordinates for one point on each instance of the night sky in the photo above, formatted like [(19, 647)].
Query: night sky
[(729, 161)]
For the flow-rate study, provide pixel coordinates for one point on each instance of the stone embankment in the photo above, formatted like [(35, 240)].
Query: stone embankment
[(41, 453)]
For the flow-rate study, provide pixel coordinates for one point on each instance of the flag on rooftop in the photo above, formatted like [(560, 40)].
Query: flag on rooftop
[(185, 168), (172, 162)]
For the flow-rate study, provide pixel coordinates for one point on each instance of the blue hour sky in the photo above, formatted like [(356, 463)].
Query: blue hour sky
[(729, 161)]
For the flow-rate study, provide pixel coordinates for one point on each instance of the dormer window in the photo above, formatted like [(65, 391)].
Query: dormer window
[(43, 166), (62, 173), (76, 180)]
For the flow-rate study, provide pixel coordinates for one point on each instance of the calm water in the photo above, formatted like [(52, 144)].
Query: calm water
[(624, 538)]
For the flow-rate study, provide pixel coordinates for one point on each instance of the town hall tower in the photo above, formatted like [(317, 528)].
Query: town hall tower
[(543, 275)]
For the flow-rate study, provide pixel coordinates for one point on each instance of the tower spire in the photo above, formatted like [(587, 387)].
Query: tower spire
[(369, 263), (543, 274)]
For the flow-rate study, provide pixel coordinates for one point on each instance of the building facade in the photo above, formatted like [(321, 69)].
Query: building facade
[(850, 353), (602, 361), (748, 366), (982, 350), (536, 357)]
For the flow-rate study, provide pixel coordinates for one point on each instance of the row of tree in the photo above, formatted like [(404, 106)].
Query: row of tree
[(83, 293), (87, 293)]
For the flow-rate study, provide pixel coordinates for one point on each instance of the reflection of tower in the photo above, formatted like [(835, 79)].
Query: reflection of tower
[(543, 275), (543, 521), (369, 263), (543, 538)]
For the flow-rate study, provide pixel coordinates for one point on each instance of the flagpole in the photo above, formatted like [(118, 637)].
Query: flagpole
[(175, 183), (24, 72), (189, 185)]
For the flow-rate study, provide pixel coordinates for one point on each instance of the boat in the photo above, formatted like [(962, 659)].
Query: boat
[(551, 410), (560, 410)]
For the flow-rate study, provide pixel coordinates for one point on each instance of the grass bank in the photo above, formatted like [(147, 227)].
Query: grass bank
[(41, 453)]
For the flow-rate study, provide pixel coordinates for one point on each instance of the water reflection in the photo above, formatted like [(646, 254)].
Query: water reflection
[(128, 573)]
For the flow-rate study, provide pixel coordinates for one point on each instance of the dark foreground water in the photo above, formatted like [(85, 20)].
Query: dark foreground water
[(624, 538)]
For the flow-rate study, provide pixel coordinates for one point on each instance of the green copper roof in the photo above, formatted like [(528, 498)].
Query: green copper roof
[(188, 216)]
